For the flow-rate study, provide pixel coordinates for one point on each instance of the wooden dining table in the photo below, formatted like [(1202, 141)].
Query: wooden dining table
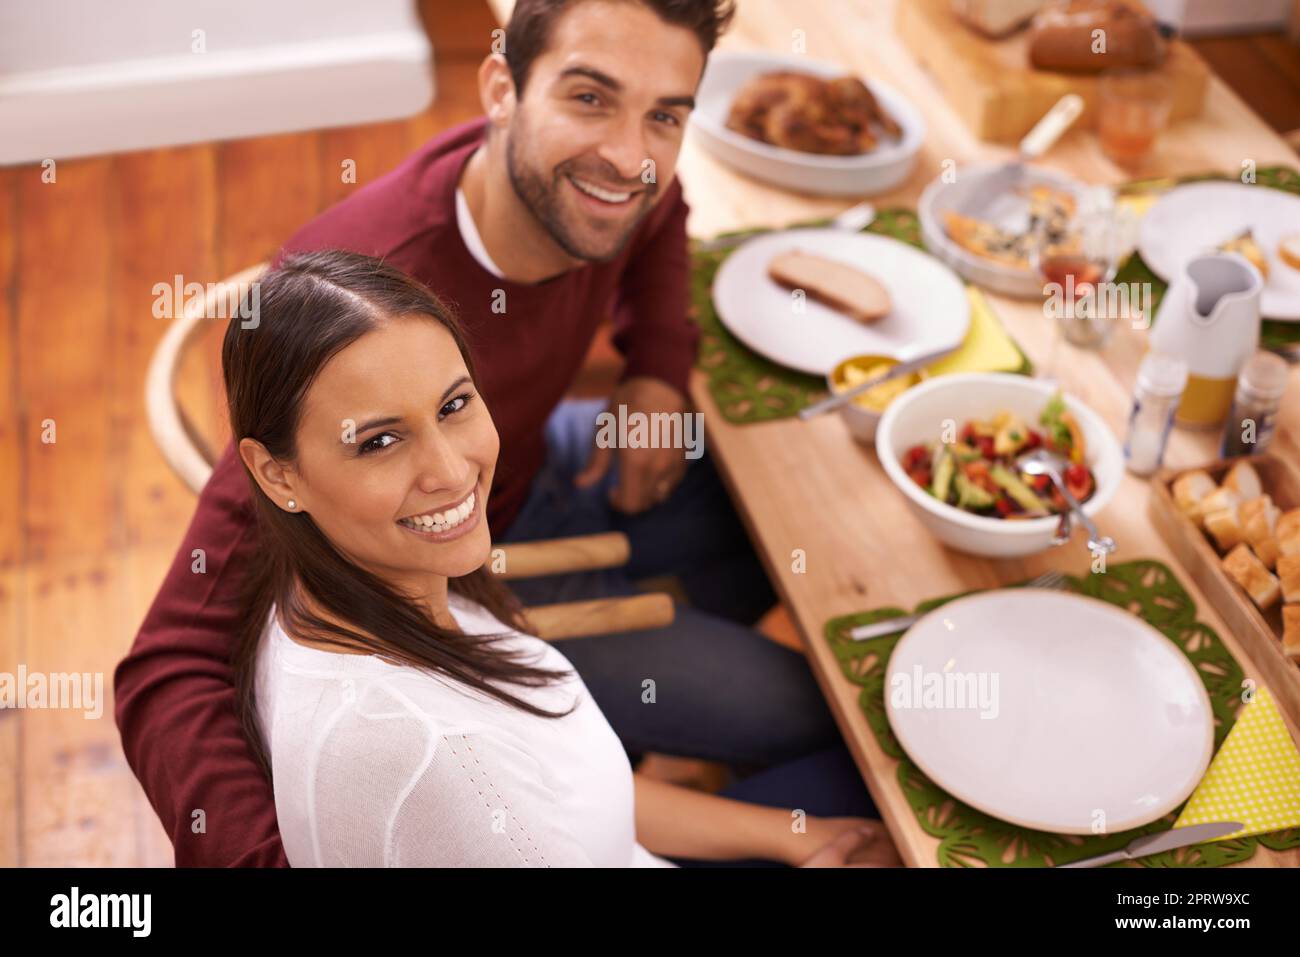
[(807, 488)]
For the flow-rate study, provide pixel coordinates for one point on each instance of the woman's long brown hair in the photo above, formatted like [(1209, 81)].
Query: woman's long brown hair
[(310, 308)]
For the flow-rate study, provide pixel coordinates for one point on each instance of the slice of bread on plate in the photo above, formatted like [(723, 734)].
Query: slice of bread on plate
[(844, 288), (1288, 250)]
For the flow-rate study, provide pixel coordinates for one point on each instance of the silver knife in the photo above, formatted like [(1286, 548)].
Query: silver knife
[(893, 372), (1164, 841)]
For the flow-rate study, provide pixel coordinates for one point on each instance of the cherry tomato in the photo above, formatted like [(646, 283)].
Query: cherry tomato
[(1004, 506), (1079, 481), (915, 456)]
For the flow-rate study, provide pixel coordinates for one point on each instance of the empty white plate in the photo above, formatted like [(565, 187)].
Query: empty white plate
[(1050, 710), (930, 309), (1197, 218)]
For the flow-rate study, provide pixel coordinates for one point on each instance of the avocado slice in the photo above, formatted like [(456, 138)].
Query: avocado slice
[(971, 496), (944, 467), (1017, 489)]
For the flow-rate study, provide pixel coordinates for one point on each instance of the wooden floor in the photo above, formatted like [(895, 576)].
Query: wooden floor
[(91, 520), (1264, 69)]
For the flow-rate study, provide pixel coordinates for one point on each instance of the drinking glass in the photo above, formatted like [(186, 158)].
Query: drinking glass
[(1132, 108)]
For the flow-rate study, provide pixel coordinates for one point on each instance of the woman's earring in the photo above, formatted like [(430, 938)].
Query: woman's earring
[(292, 504)]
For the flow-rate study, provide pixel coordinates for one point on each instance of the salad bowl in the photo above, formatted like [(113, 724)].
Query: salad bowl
[(936, 412)]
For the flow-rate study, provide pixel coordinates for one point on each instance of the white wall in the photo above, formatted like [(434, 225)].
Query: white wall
[(82, 77), (1201, 17)]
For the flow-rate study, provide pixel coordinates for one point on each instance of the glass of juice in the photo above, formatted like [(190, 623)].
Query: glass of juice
[(1132, 109), (1078, 265)]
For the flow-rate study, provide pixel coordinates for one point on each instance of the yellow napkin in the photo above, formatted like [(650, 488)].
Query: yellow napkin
[(1255, 777), (986, 348)]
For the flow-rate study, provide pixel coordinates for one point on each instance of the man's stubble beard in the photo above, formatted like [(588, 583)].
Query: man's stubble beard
[(541, 200)]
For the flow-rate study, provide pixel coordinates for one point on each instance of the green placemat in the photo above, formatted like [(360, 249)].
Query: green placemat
[(970, 838), (749, 388), (745, 386), (1272, 334)]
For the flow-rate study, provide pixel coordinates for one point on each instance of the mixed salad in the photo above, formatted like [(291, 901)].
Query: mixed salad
[(978, 472)]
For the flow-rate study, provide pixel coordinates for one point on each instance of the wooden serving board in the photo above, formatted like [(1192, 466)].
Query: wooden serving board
[(994, 89), (1259, 632)]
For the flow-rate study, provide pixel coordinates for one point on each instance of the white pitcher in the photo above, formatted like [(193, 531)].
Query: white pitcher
[(1210, 319)]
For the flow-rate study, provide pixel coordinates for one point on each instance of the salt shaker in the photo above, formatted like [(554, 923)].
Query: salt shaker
[(1251, 422), (1160, 383)]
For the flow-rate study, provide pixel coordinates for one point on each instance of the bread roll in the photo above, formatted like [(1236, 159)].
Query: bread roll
[(1244, 480), (1258, 519), (1249, 572), (1190, 490), (1288, 574), (1089, 36), (996, 18), (1225, 527), (1287, 532), (1220, 499), (1291, 631)]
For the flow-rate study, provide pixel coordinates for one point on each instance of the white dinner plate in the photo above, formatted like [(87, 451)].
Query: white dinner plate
[(1088, 718), (861, 175), (930, 309), (1196, 218)]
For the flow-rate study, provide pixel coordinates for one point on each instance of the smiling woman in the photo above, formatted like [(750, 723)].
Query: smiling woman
[(383, 677), (371, 457)]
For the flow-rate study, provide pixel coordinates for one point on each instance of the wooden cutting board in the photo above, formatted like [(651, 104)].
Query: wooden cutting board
[(992, 86)]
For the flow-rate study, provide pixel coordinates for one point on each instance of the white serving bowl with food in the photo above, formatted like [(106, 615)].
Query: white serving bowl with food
[(927, 412), (889, 163), (967, 195)]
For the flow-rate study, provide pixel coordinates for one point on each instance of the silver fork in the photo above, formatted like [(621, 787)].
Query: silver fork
[(1054, 581)]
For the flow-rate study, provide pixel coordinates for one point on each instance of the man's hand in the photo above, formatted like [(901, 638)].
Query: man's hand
[(646, 476)]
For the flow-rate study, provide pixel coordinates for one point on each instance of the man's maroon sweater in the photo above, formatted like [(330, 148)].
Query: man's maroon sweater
[(174, 691)]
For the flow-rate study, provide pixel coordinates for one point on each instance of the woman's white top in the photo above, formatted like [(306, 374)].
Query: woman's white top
[(377, 764)]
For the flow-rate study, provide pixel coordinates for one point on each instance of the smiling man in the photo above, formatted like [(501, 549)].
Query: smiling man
[(556, 211)]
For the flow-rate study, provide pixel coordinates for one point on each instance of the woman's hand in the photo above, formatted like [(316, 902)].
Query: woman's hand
[(850, 842)]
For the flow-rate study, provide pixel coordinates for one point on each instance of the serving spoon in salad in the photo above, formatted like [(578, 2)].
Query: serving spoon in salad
[(1043, 462)]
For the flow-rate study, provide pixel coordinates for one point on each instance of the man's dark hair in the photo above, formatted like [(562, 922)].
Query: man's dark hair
[(530, 25)]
